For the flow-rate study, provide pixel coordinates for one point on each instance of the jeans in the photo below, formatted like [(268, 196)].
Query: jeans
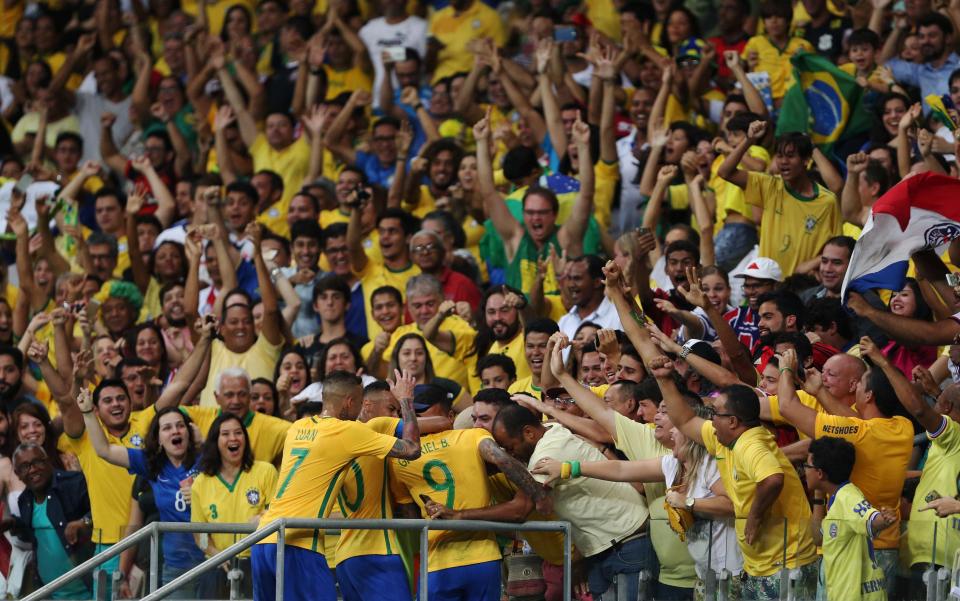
[(629, 559), (732, 244), (204, 587)]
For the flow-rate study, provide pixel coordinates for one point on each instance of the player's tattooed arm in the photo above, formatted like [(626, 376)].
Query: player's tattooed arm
[(407, 447), (517, 473)]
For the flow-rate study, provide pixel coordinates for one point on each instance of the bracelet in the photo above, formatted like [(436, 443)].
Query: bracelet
[(565, 470), (87, 412), (418, 106), (783, 369), (818, 502), (574, 469), (640, 318), (316, 71)]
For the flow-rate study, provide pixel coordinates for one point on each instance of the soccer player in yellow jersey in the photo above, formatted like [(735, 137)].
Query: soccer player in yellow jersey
[(452, 472), (883, 439), (850, 569), (799, 215), (317, 453), (369, 566)]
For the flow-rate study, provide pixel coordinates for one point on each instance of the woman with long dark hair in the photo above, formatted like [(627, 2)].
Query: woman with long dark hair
[(232, 488), (145, 341), (30, 422), (909, 302), (168, 461)]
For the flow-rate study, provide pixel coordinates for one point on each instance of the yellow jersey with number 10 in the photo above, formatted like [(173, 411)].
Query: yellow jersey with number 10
[(365, 496), (450, 471), (316, 453)]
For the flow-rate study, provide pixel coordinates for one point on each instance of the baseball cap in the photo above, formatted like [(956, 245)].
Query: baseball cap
[(762, 268), (437, 392), (703, 349)]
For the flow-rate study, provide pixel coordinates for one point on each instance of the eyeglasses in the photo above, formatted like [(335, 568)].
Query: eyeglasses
[(809, 466), (563, 401), (422, 249), (23, 468)]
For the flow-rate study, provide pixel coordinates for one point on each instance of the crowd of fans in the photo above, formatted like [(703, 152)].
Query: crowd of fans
[(556, 260)]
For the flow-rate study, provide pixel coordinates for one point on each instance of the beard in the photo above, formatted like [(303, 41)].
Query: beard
[(508, 334)]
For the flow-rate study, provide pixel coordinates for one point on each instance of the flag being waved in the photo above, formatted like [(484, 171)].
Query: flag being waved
[(823, 101), (917, 214)]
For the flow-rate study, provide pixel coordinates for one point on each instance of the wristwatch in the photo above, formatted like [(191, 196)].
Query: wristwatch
[(689, 503)]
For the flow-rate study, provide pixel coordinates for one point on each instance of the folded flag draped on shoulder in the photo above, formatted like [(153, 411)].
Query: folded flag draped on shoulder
[(823, 101), (919, 213)]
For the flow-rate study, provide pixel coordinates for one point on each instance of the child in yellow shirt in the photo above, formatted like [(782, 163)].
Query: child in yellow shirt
[(772, 52)]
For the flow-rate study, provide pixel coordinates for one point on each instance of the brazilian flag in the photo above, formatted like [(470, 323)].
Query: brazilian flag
[(823, 101)]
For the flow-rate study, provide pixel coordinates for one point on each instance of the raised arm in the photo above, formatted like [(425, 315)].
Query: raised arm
[(551, 108), (589, 403), (445, 341), (571, 232), (831, 176), (503, 221), (408, 447), (851, 205), (141, 276), (644, 470), (750, 93), (521, 103), (108, 149), (729, 169), (803, 418), (176, 390), (358, 256), (334, 138), (679, 411), (928, 417), (905, 329), (112, 453), (245, 121), (271, 328)]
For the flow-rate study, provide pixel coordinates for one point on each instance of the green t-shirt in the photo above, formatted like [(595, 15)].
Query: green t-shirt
[(52, 558)]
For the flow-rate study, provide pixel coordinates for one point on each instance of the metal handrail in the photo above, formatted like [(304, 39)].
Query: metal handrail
[(280, 526), (151, 531)]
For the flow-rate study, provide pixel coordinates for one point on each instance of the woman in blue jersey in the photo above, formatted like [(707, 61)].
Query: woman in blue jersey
[(168, 461)]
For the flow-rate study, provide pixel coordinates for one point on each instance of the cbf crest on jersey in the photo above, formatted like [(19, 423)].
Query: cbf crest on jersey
[(253, 496)]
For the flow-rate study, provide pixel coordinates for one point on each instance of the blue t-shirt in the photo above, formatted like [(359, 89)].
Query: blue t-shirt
[(179, 548), (376, 172), (52, 558)]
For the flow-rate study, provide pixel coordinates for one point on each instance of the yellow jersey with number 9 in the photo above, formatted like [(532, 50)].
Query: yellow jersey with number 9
[(450, 471), (316, 454), (365, 495)]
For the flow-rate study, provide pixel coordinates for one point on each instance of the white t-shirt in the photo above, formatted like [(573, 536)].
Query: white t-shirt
[(88, 109), (378, 35), (725, 552)]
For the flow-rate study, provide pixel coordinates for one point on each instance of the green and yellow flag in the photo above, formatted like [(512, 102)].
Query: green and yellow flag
[(939, 111), (823, 101)]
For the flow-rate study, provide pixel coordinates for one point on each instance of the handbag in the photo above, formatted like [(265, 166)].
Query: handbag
[(525, 576)]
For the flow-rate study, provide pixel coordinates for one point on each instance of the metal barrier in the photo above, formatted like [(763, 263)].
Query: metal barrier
[(279, 527)]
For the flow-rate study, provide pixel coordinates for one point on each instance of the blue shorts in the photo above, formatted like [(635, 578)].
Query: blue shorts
[(306, 576), (477, 582), (373, 577)]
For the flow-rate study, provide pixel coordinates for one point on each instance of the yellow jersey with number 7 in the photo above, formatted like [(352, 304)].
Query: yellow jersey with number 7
[(450, 471), (316, 454)]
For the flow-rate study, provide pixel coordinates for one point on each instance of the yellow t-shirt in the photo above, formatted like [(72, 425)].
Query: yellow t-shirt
[(375, 275), (445, 365), (330, 216), (793, 228), (292, 163), (348, 80), (275, 216), (884, 446), (259, 361), (752, 458), (606, 176), (512, 348), (30, 122), (316, 453), (776, 62), (525, 385), (729, 196), (939, 475), (450, 471), (365, 496), (455, 31), (109, 485), (214, 500), (848, 562)]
